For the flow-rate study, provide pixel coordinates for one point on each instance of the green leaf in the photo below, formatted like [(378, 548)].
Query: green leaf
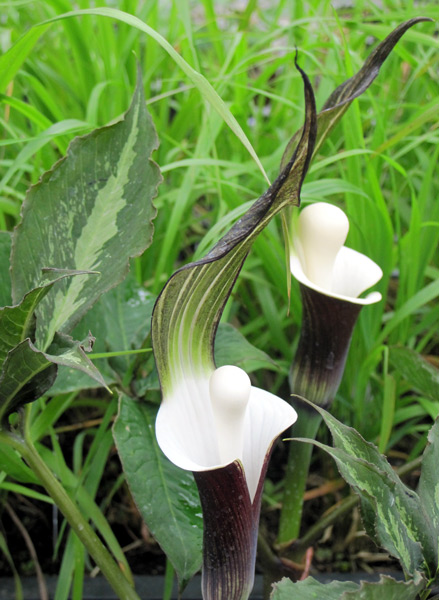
[(387, 588), (311, 589), (70, 353), (166, 496), (423, 376), (127, 313), (12, 464), (28, 373), (340, 99), (393, 514), (17, 322), (71, 380), (120, 321), (87, 504), (188, 310), (232, 348), (429, 488), (5, 251), (26, 376), (92, 211)]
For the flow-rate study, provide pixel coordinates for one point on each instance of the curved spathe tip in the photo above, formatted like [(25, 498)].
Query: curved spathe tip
[(188, 433), (320, 261)]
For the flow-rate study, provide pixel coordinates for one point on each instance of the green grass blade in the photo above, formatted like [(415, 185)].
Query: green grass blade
[(200, 82)]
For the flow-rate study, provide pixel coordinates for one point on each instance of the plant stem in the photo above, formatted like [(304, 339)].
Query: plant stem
[(297, 473), (316, 531), (75, 518)]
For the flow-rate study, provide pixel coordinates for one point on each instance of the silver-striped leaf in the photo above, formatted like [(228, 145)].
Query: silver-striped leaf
[(92, 211), (429, 490), (393, 514)]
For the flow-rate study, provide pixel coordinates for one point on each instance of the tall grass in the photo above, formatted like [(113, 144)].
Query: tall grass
[(379, 164)]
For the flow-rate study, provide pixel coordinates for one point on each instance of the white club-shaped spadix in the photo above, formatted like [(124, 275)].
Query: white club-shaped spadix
[(210, 420), (230, 389), (323, 229), (320, 260)]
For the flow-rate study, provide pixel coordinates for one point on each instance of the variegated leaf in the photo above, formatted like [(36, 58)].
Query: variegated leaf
[(66, 351), (17, 322), (28, 373), (393, 514), (120, 321), (340, 99), (387, 588), (429, 489), (92, 211), (311, 589), (188, 310), (422, 375), (5, 251)]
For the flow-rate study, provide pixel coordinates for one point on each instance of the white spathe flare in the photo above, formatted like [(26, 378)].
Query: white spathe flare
[(229, 395), (320, 261), (213, 419)]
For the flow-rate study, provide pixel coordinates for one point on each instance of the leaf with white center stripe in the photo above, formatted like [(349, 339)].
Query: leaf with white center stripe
[(92, 211)]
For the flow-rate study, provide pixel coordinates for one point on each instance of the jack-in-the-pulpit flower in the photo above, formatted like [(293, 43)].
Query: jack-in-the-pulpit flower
[(222, 428), (184, 324), (211, 421), (332, 278)]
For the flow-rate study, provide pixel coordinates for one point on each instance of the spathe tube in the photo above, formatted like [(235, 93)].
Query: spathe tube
[(191, 429), (332, 278)]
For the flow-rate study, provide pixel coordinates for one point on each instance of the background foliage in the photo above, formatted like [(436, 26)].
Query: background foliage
[(379, 164)]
